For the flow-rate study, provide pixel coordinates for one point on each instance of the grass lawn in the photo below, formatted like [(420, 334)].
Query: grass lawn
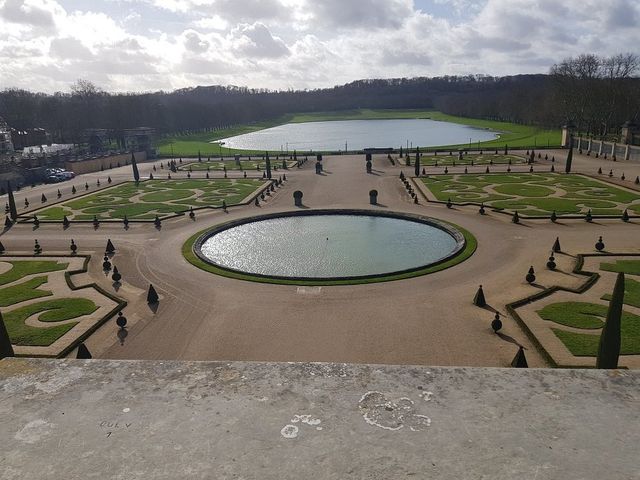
[(22, 268), (631, 267), (511, 134), (631, 293), (534, 193), (151, 198), (56, 310), (590, 316), (23, 292), (243, 165)]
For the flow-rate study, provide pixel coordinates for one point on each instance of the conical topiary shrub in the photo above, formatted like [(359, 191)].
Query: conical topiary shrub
[(152, 296), (479, 300), (609, 348), (519, 361), (556, 246), (110, 248), (83, 352)]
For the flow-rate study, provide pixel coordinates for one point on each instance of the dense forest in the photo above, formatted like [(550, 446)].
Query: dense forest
[(597, 94)]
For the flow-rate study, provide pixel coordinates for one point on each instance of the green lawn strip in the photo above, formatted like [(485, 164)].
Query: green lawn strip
[(162, 197), (191, 257), (53, 213), (50, 311), (586, 345), (575, 314), (23, 292), (631, 293), (579, 344), (22, 268), (511, 134), (631, 267), (590, 316)]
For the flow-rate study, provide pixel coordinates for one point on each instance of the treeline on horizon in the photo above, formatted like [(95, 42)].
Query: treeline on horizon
[(595, 93)]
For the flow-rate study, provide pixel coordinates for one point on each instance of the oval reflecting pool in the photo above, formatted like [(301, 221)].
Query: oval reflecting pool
[(325, 244), (358, 134)]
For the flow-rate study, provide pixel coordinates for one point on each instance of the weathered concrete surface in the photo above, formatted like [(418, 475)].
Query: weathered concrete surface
[(71, 419)]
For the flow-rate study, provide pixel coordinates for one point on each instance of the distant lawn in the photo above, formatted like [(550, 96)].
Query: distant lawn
[(511, 134), (153, 197), (56, 310), (590, 316), (534, 194)]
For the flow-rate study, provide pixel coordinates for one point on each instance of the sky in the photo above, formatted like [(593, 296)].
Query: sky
[(149, 45)]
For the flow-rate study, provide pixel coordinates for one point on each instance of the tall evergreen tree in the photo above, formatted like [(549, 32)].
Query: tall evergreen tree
[(134, 165), (609, 348), (417, 162), (13, 211), (567, 167), (268, 165)]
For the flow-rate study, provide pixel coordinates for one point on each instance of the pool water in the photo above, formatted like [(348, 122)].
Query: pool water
[(329, 246)]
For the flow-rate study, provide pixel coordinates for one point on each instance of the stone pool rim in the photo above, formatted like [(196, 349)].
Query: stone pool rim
[(465, 246)]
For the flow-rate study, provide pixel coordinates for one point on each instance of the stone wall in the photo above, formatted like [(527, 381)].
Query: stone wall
[(622, 152), (97, 164)]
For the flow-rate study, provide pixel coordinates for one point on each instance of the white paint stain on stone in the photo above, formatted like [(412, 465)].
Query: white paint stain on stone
[(289, 431), (379, 411), (426, 396), (34, 431), (307, 419), (126, 410)]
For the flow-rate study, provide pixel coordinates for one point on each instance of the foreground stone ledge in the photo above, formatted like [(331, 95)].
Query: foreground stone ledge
[(167, 420)]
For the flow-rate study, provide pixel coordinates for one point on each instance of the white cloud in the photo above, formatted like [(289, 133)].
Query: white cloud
[(256, 41), (164, 44), (36, 13)]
